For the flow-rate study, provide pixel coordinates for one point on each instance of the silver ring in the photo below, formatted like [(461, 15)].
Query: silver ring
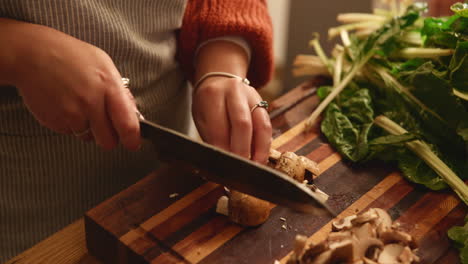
[(82, 133), (262, 104), (126, 82)]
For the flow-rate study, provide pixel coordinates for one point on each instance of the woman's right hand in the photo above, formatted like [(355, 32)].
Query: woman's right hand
[(71, 86)]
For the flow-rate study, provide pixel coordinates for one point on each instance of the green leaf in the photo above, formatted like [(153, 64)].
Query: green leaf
[(429, 86), (348, 132), (323, 91), (436, 32), (349, 139), (459, 234), (416, 170), (460, 26), (384, 40), (459, 68)]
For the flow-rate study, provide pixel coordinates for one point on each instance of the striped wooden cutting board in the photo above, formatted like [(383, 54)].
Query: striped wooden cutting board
[(146, 224)]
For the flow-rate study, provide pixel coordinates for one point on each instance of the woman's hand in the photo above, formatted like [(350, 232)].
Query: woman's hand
[(71, 86), (221, 110), (222, 105)]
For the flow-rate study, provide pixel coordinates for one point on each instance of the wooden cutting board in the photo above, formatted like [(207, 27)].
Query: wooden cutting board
[(169, 216)]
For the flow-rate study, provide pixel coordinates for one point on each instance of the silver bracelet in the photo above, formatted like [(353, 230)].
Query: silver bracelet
[(225, 74)]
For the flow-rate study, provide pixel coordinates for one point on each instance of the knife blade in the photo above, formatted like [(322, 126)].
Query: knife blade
[(233, 171)]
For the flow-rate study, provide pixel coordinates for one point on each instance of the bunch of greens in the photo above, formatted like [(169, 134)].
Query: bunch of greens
[(400, 92)]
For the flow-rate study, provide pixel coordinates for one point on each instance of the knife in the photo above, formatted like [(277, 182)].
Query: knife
[(233, 171)]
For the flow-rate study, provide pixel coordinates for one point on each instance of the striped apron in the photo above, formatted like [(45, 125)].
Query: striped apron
[(48, 180)]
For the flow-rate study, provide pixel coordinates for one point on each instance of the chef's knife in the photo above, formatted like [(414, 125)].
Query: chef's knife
[(233, 171)]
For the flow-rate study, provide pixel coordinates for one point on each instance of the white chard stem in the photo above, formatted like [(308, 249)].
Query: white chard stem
[(462, 95), (360, 17), (335, 31), (345, 38), (423, 151), (318, 49), (425, 53), (336, 90), (338, 68)]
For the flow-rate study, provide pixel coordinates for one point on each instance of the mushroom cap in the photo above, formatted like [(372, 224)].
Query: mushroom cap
[(290, 164)]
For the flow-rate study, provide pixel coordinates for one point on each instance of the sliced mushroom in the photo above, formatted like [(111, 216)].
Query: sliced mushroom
[(364, 231), (222, 206), (384, 221), (356, 239), (338, 236), (291, 164), (373, 255), (390, 254), (369, 261), (367, 216), (300, 245), (298, 167), (366, 247), (313, 250), (394, 236), (323, 258), (344, 223), (342, 251), (338, 252), (407, 256)]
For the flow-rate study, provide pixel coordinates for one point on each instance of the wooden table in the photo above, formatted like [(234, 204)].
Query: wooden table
[(196, 234)]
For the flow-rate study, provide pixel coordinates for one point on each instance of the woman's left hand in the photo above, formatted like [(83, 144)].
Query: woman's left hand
[(222, 113)]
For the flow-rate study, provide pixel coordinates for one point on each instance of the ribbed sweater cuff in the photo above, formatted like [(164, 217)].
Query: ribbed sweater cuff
[(207, 19)]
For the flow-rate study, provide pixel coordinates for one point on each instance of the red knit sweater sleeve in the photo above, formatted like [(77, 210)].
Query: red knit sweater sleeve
[(206, 19)]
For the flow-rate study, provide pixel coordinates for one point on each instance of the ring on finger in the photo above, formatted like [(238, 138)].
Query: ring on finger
[(262, 104), (126, 82)]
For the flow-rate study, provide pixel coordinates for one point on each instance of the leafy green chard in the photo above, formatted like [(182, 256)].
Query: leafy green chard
[(403, 98), (421, 94), (381, 42)]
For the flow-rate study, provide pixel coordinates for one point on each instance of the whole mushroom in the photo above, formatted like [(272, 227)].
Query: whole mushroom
[(247, 210)]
